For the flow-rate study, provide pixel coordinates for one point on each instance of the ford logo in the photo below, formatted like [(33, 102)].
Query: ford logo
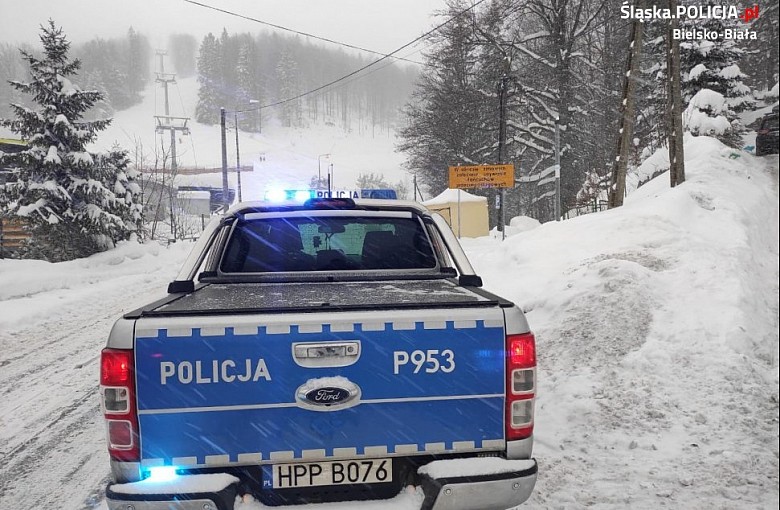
[(328, 394)]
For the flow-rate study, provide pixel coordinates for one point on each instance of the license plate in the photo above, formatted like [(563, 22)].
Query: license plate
[(313, 474)]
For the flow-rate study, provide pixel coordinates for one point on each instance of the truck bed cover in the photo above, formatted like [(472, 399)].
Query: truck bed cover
[(234, 298)]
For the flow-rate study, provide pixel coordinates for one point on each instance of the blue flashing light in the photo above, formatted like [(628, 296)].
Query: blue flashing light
[(161, 474), (302, 195), (276, 195), (288, 195)]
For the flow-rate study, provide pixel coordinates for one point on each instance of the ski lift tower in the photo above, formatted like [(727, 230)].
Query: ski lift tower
[(169, 122)]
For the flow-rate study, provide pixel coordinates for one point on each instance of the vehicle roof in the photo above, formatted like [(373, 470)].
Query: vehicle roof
[(360, 203)]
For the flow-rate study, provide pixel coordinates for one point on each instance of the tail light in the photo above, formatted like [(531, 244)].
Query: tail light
[(117, 391), (763, 131), (520, 385)]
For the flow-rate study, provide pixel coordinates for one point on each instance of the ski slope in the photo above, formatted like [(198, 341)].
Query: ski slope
[(281, 157), (657, 337)]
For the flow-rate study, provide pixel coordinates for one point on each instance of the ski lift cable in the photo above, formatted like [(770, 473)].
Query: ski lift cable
[(305, 34), (370, 64)]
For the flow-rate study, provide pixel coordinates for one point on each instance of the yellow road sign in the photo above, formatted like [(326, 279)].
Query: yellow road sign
[(482, 176)]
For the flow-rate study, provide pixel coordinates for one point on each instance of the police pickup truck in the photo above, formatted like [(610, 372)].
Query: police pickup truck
[(330, 350)]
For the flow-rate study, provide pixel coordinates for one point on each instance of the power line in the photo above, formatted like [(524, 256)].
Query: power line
[(370, 64), (305, 34)]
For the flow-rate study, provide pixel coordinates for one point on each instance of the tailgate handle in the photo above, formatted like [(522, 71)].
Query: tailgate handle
[(326, 354)]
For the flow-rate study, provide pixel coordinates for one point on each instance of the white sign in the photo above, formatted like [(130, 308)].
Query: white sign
[(336, 193)]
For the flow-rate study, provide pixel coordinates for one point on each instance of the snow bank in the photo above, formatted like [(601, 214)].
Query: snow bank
[(657, 339), (32, 290), (523, 224)]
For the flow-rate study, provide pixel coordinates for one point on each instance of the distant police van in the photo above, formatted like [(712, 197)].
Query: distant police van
[(336, 349)]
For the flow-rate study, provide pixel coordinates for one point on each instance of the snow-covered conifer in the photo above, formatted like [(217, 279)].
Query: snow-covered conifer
[(68, 201), (713, 65), (207, 109)]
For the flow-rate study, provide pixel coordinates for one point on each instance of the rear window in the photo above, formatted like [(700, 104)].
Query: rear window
[(320, 243), (770, 123)]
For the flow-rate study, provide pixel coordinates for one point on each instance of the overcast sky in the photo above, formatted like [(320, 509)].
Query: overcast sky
[(381, 25)]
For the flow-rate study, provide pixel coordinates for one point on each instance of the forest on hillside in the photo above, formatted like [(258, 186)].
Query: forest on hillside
[(566, 60), (119, 68), (250, 72), (235, 71)]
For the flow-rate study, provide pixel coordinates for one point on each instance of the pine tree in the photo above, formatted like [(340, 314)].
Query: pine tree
[(137, 64), (117, 175), (66, 197), (288, 76), (102, 109), (207, 109), (183, 48), (249, 91), (448, 121), (711, 65)]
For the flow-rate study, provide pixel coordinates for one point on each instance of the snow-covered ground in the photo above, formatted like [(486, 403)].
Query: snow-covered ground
[(657, 331)]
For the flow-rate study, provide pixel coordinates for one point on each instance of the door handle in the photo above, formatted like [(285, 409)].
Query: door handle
[(326, 354)]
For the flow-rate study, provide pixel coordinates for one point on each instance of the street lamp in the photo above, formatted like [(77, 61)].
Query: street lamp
[(319, 168)]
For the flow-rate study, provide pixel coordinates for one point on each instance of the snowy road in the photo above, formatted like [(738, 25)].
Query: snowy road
[(52, 452), (657, 337)]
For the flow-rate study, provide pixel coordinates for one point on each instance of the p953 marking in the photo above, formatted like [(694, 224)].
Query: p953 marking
[(431, 360)]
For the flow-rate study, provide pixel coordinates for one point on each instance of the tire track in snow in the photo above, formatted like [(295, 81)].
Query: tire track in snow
[(52, 437)]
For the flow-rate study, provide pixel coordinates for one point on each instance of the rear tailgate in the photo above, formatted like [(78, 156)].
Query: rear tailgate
[(244, 388)]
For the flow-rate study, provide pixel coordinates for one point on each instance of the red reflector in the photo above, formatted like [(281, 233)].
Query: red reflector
[(115, 367), (120, 434), (522, 350)]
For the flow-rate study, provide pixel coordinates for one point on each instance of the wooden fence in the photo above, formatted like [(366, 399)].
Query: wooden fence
[(12, 235)]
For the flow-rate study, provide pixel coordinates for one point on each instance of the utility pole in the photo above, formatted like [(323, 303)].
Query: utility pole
[(319, 168), (620, 166), (501, 145), (557, 168), (238, 159), (674, 103), (225, 197), (416, 191), (169, 123)]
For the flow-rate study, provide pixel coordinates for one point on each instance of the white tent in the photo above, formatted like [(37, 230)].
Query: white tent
[(456, 205)]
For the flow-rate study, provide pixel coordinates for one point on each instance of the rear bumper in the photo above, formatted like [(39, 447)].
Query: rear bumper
[(466, 483), (219, 494), (495, 491), (167, 504)]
